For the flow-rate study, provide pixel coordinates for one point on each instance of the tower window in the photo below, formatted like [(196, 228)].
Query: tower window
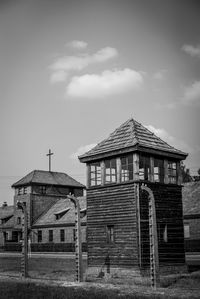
[(110, 171), (158, 170), (172, 172), (43, 189), (127, 168), (95, 174), (144, 168), (20, 191), (19, 220)]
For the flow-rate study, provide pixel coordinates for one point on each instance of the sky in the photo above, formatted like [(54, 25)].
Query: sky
[(73, 71)]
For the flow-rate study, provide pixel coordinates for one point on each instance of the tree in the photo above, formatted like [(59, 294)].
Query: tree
[(186, 174)]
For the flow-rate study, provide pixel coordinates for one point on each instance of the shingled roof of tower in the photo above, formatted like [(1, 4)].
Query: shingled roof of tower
[(131, 134), (48, 178)]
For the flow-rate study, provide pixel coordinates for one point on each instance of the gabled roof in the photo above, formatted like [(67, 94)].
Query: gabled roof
[(63, 204), (191, 198), (130, 135), (6, 212), (48, 178)]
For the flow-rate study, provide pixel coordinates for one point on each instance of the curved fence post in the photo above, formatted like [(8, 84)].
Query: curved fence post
[(154, 258), (24, 258), (78, 239)]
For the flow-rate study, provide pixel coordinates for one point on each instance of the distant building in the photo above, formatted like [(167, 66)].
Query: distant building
[(6, 223), (40, 191), (54, 230), (191, 210), (117, 209)]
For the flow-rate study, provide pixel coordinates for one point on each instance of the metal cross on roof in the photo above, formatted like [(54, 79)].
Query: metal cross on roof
[(49, 154)]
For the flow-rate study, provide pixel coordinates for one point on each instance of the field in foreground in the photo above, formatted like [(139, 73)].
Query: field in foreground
[(44, 268), (15, 288), (54, 278)]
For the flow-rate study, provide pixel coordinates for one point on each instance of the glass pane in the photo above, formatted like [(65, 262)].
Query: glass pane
[(111, 171), (95, 174), (127, 168)]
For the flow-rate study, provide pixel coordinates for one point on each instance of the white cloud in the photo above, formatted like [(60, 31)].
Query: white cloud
[(78, 44), (59, 76), (159, 75), (82, 150), (108, 83), (192, 93), (191, 50), (104, 55), (171, 140), (81, 61)]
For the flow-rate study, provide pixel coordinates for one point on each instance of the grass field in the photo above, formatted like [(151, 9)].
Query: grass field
[(20, 289), (54, 278), (50, 268)]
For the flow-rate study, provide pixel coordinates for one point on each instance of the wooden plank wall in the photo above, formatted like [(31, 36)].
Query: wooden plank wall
[(113, 205), (168, 201)]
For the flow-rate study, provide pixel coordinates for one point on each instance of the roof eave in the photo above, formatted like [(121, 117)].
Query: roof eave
[(176, 155), (46, 184)]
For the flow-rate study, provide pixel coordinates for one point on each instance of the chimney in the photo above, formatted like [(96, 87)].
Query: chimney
[(4, 205)]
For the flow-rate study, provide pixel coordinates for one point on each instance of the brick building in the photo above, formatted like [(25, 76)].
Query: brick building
[(40, 191), (117, 208)]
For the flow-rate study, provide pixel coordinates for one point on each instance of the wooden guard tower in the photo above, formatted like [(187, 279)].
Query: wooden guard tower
[(117, 208)]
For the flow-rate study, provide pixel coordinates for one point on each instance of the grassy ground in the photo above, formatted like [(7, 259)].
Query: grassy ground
[(54, 278), (50, 268), (19, 289)]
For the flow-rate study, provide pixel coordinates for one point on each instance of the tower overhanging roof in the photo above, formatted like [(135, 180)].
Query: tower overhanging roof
[(131, 136), (48, 178)]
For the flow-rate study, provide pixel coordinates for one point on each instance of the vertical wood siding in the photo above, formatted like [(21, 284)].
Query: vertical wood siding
[(116, 206), (168, 202)]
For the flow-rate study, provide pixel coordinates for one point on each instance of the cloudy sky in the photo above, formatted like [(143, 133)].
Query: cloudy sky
[(72, 71)]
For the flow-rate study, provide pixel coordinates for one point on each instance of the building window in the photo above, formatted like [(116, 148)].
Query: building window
[(110, 171), (43, 189), (127, 168), (71, 190), (110, 234), (25, 190), (172, 172), (20, 191), (50, 235), (186, 231), (144, 168), (39, 234), (62, 235), (95, 174), (158, 170), (19, 220), (163, 233)]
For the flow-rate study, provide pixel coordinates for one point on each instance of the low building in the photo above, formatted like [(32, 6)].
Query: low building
[(191, 211), (39, 191), (6, 224), (54, 230)]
